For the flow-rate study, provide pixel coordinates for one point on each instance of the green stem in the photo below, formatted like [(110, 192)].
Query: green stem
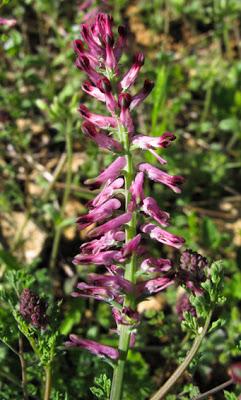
[(214, 390), (181, 369), (23, 368), (58, 229), (124, 340), (48, 382)]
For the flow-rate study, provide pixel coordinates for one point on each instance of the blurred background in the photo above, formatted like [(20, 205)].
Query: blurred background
[(192, 50)]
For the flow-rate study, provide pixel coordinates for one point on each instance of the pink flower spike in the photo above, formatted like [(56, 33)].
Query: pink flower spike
[(100, 138), (93, 91), (101, 121), (111, 172), (151, 208), (98, 214), (140, 97), (98, 349), (131, 246), (151, 265), (130, 77), (162, 236), (8, 22), (107, 192), (115, 223), (157, 175)]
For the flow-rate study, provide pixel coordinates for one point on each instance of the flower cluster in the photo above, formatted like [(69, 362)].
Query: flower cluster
[(121, 217), (192, 270), (33, 309)]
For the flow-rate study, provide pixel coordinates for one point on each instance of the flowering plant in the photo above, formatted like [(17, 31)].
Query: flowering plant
[(121, 216)]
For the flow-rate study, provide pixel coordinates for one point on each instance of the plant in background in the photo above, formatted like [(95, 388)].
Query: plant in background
[(122, 215)]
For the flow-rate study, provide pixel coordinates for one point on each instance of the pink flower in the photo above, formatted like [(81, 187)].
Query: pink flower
[(101, 121), (130, 77), (126, 316), (105, 87), (151, 143), (140, 97), (157, 175), (150, 207), (98, 349), (93, 91), (121, 42), (101, 258), (136, 189), (152, 265), (163, 236), (125, 116), (147, 142), (115, 223), (103, 140), (109, 239), (111, 172), (8, 22), (154, 285), (83, 63), (99, 213), (131, 246), (108, 191)]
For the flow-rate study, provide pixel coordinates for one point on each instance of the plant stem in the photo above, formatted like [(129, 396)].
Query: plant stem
[(181, 369), (48, 382), (124, 340), (58, 229), (23, 368), (214, 390)]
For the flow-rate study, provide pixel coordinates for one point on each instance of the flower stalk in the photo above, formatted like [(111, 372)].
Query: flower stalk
[(184, 365)]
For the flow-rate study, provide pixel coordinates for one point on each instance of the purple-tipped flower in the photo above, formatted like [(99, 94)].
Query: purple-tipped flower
[(155, 174), (98, 349), (100, 121), (103, 140), (110, 172), (150, 208), (99, 213), (115, 223), (140, 97), (152, 265), (33, 309), (129, 273), (108, 191), (162, 236), (130, 77)]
